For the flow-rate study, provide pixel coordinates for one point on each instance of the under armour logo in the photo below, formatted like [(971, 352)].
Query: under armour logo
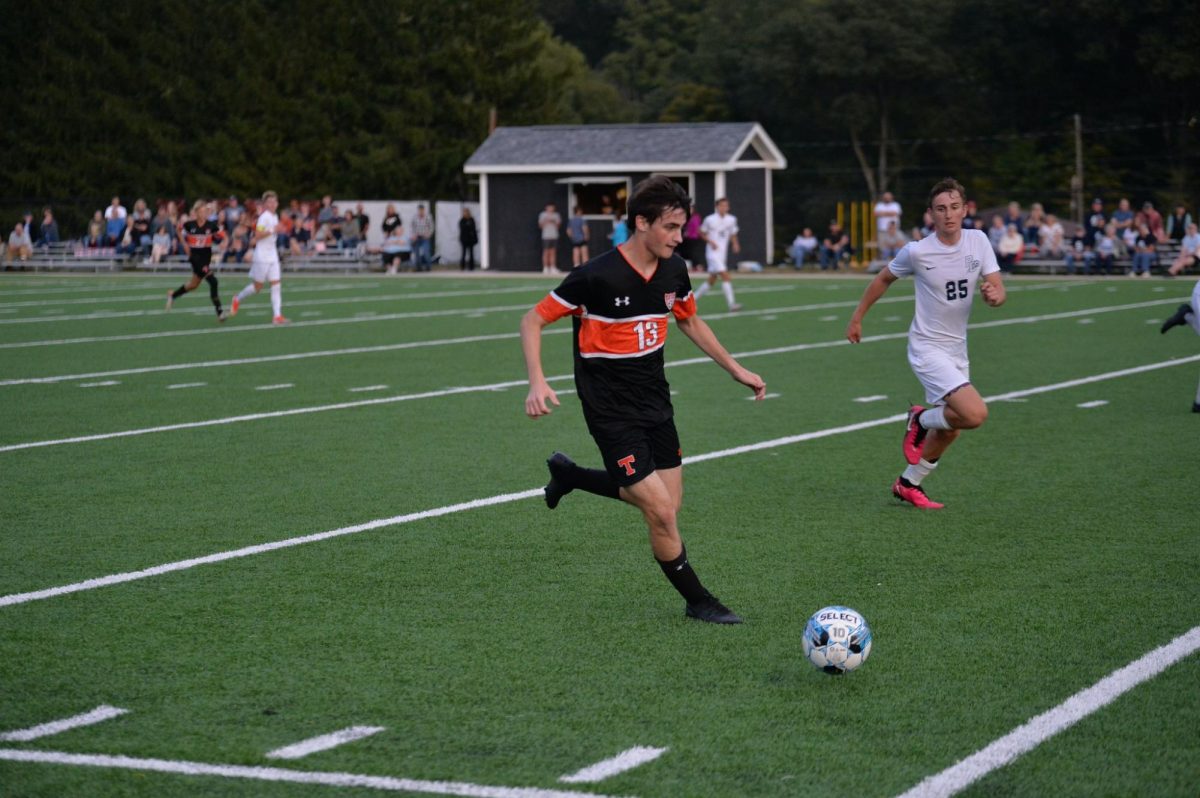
[(619, 301)]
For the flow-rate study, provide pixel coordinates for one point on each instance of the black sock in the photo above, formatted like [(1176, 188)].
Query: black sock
[(595, 480), (906, 483), (180, 291), (212, 292), (679, 572)]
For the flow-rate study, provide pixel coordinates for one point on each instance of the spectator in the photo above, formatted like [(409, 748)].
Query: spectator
[(620, 231), (971, 220), (364, 222), (1152, 219), (1011, 247), (1129, 237), (468, 237), (996, 232), (161, 223), (835, 248), (285, 233), (577, 231), (1123, 217), (1033, 224), (693, 244), (95, 233), (1050, 238), (1105, 248), (114, 222), (306, 225), (391, 220), (1095, 221), (1120, 250), (327, 215), (138, 230), (48, 231), (237, 241), (160, 243), (422, 239), (233, 213), (1177, 223), (396, 249), (891, 241), (926, 228), (27, 223), (887, 210), (1189, 250), (19, 245), (1080, 250), (549, 221), (1145, 253), (803, 247), (1013, 216), (351, 232)]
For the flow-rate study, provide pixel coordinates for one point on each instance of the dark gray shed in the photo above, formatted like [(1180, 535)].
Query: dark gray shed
[(521, 169)]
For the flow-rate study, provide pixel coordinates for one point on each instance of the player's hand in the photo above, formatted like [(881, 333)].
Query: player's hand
[(854, 331), (993, 294), (753, 382), (538, 402)]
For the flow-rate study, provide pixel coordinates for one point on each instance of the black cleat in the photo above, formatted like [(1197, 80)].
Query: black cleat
[(711, 610), (1196, 407), (1178, 319), (560, 483)]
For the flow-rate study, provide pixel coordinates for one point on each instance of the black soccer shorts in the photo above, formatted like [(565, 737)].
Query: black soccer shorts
[(632, 451)]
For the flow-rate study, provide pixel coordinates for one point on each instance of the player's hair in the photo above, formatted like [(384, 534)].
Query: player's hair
[(654, 197), (198, 205), (268, 194), (944, 185)]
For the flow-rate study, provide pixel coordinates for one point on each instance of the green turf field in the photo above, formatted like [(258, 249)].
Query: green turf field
[(501, 646)]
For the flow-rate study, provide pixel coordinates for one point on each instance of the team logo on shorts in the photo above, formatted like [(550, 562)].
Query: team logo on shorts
[(669, 299), (972, 263)]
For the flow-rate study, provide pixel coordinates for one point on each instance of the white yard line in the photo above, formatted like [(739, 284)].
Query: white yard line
[(1093, 403), (97, 715), (505, 498), (626, 760), (324, 742), (360, 780), (179, 385), (1037, 730), (275, 387)]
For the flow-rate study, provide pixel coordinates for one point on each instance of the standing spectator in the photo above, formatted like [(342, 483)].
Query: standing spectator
[(305, 227), (549, 221), (803, 246), (1145, 253), (1177, 223), (620, 231), (1106, 248), (1080, 251), (351, 232), (1095, 221), (468, 237), (1152, 219), (114, 223), (1050, 238), (1033, 225), (719, 231), (139, 229), (391, 219), (422, 239), (48, 230), (19, 245), (996, 232), (887, 211), (364, 222), (1123, 216), (285, 235), (233, 213), (577, 231), (327, 215), (971, 220), (95, 233), (1012, 246), (1189, 250), (693, 244), (835, 247)]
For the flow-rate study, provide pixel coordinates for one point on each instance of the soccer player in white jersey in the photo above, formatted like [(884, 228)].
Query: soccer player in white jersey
[(719, 231), (946, 266), (265, 266), (1189, 314)]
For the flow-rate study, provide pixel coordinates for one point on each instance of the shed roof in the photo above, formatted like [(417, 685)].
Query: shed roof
[(571, 148)]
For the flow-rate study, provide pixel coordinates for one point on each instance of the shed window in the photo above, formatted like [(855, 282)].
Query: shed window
[(598, 197)]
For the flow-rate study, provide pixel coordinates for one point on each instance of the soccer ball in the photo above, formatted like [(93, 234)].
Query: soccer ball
[(837, 639)]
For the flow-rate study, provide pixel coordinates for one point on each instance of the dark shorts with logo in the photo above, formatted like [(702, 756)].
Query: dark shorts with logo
[(633, 451), (201, 263)]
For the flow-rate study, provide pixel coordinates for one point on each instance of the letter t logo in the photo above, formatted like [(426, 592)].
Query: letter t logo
[(628, 463)]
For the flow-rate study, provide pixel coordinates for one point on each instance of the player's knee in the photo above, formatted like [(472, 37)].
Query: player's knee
[(974, 417)]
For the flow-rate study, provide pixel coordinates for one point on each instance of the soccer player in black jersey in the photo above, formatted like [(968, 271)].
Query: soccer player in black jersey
[(620, 303), (198, 237)]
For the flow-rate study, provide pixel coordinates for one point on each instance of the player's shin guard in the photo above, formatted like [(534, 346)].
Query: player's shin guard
[(934, 418), (727, 289), (917, 472), (681, 576), (595, 480)]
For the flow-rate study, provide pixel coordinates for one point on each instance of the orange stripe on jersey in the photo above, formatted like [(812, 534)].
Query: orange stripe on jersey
[(617, 338), (685, 308), (554, 307)]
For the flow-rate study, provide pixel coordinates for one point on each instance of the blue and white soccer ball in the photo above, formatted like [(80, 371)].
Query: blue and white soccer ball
[(837, 639)]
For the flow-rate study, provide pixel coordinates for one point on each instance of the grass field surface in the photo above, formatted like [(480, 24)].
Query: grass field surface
[(167, 482)]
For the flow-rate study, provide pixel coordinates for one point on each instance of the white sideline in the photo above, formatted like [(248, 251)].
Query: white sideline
[(1037, 730), (324, 742), (505, 498), (386, 783), (626, 760), (97, 715)]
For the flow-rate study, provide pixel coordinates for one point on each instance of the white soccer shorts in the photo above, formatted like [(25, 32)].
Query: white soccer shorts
[(265, 271), (939, 370), (716, 263)]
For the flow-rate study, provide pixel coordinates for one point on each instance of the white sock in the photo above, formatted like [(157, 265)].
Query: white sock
[(276, 299), (935, 418), (702, 290), (918, 472), (727, 287), (246, 292), (1198, 394)]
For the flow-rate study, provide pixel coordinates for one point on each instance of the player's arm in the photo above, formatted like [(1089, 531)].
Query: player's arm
[(702, 336), (993, 290), (877, 288), (261, 232), (735, 244), (541, 395), (182, 237)]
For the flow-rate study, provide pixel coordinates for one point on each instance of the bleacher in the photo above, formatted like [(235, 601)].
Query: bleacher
[(1168, 250), (73, 256)]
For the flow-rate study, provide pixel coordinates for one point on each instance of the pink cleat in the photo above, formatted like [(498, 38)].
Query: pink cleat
[(914, 496), (234, 305), (914, 436), (279, 320)]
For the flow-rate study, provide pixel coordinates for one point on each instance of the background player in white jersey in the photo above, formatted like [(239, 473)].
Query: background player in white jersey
[(265, 267), (719, 231), (1188, 313), (946, 267)]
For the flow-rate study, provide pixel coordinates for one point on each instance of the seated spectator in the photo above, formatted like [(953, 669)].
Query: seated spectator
[(1177, 223), (351, 231), (1145, 253), (1050, 243), (160, 244), (302, 238), (238, 242), (396, 249), (971, 220), (161, 223), (1013, 216), (19, 245), (1095, 221), (1033, 225), (1123, 217), (891, 241), (1012, 246), (803, 247), (48, 231), (1152, 219), (926, 228), (1080, 250), (835, 248), (1189, 250), (996, 232), (1119, 248), (1105, 249), (323, 238), (284, 232), (95, 232), (114, 223), (1129, 237), (138, 230)]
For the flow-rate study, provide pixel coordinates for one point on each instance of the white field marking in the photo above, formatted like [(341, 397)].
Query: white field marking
[(101, 384), (505, 498), (328, 779), (829, 318), (309, 313), (1159, 289), (366, 388), (1111, 289), (1153, 321), (768, 317), (879, 397), (323, 742), (1093, 403), (276, 387), (179, 385), (626, 760), (893, 318), (97, 715), (8, 311), (501, 386), (1037, 730), (1087, 321), (765, 396)]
